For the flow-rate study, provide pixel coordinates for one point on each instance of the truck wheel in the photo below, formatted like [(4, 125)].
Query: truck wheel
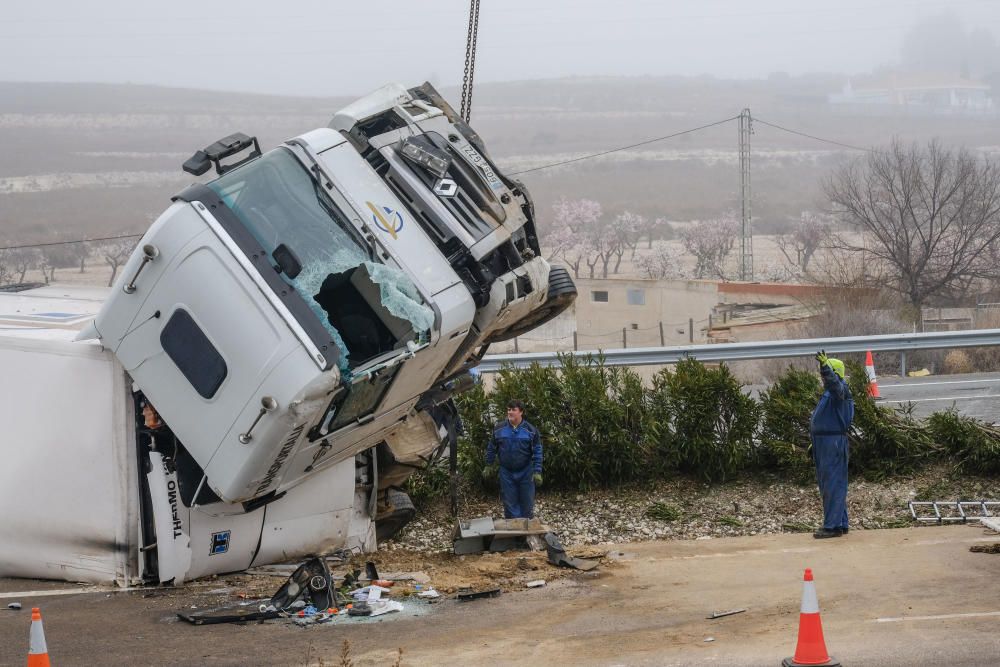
[(396, 513), (562, 293)]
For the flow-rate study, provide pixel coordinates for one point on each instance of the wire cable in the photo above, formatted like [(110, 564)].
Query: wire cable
[(52, 243), (623, 148), (810, 136)]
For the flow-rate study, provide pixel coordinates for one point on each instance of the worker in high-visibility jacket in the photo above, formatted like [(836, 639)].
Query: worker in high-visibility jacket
[(828, 429), (517, 444)]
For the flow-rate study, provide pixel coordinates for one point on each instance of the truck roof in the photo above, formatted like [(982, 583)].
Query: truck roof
[(50, 312)]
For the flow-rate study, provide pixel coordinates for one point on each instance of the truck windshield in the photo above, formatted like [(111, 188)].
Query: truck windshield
[(369, 308)]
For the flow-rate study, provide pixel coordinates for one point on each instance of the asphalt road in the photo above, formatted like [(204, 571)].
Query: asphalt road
[(912, 596), (976, 395)]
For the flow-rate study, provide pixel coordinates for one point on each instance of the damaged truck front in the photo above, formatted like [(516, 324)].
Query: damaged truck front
[(282, 347)]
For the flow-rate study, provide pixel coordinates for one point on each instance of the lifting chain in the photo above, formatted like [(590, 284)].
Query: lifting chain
[(470, 60)]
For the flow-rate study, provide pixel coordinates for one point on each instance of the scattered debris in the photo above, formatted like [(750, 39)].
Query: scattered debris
[(369, 593), (986, 548), (537, 583), (557, 555), (709, 639), (991, 523), (386, 606), (476, 595), (720, 614), (416, 577), (429, 593), (227, 615), (359, 609), (488, 534), (310, 581)]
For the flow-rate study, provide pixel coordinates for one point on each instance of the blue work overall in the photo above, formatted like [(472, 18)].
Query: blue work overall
[(831, 422), (519, 450)]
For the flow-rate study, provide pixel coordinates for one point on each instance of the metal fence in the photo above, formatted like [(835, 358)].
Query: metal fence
[(804, 347)]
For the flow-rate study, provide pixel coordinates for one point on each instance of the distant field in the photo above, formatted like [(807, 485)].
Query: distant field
[(86, 161)]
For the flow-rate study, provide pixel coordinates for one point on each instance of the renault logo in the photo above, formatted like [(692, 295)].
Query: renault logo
[(445, 187)]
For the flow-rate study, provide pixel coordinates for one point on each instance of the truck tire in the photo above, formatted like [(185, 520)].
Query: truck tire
[(562, 293), (394, 515)]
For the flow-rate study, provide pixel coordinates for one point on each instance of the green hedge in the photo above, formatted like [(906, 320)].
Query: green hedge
[(602, 426)]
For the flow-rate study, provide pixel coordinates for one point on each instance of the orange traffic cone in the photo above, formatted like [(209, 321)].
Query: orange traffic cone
[(870, 372), (811, 649), (38, 653)]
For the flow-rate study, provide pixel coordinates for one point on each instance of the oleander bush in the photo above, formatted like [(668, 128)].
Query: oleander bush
[(786, 409), (602, 426)]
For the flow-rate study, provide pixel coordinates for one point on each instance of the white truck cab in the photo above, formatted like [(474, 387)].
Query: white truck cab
[(295, 329)]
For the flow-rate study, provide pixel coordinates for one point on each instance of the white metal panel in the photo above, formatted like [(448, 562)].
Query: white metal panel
[(262, 356), (173, 230), (322, 139), (314, 517), (64, 483), (239, 532), (239, 471), (173, 543), (344, 444), (375, 102), (396, 229), (53, 312)]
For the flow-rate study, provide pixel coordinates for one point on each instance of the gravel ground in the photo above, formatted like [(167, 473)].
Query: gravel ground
[(765, 504)]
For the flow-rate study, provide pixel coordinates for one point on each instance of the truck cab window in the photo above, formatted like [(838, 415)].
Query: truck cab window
[(367, 307)]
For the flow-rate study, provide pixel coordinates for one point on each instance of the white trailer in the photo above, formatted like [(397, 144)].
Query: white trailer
[(277, 356)]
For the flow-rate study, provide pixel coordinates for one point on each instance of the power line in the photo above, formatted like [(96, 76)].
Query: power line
[(41, 245), (624, 148), (811, 136)]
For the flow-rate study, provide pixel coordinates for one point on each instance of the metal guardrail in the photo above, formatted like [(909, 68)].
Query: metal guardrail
[(805, 347)]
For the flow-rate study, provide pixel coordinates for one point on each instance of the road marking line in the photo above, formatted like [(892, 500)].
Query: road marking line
[(925, 384), (734, 554), (60, 591), (925, 543), (945, 398), (939, 617)]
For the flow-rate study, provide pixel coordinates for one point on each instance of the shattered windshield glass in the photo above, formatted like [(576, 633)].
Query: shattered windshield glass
[(368, 312)]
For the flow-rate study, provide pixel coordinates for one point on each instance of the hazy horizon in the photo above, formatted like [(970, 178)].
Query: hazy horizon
[(320, 49)]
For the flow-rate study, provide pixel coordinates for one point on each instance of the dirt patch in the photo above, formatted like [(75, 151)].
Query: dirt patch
[(509, 571)]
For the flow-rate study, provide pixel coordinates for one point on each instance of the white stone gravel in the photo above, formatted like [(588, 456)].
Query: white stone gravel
[(765, 504)]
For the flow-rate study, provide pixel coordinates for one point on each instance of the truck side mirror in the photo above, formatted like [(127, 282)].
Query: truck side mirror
[(288, 263)]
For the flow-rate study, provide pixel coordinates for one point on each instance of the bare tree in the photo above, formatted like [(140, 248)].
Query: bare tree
[(558, 240), (574, 228), (18, 261), (598, 247), (624, 233), (807, 235), (80, 251), (116, 253), (658, 228), (6, 271), (663, 263), (711, 241), (23, 259), (929, 215), (52, 257)]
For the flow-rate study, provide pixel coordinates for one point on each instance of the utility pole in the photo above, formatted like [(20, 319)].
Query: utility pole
[(746, 236)]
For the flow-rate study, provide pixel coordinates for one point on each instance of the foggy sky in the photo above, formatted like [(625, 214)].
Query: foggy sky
[(326, 47)]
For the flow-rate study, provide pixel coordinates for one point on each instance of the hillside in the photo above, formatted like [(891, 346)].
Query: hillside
[(90, 160)]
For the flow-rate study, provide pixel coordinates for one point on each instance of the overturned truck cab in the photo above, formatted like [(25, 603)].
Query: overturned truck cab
[(291, 333)]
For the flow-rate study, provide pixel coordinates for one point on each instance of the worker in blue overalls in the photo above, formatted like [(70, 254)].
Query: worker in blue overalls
[(517, 444), (830, 424)]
